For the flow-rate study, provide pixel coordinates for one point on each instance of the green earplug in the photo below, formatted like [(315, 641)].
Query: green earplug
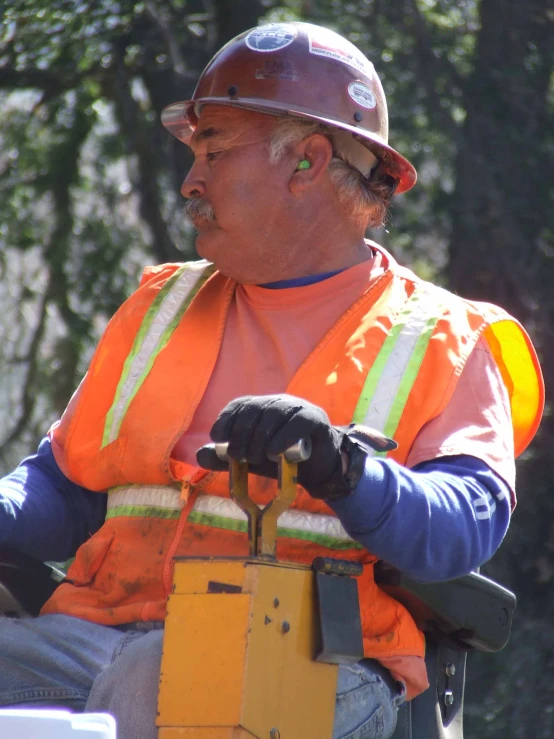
[(303, 164)]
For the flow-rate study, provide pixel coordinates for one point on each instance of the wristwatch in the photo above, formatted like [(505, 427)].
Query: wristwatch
[(358, 442)]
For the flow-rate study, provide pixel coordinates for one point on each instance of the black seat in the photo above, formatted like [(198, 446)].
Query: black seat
[(471, 613), (25, 584)]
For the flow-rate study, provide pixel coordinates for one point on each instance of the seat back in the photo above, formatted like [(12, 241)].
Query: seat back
[(25, 584), (470, 612)]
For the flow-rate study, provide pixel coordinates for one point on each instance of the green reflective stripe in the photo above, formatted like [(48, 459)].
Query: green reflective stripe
[(236, 524), (395, 369), (144, 501), (292, 518), (164, 501), (409, 378), (142, 511), (321, 539), (376, 371), (218, 522), (382, 357), (159, 501), (154, 333), (224, 513), (122, 400)]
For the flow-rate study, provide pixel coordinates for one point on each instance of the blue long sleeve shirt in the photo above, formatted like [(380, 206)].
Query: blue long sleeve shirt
[(435, 522), (44, 514)]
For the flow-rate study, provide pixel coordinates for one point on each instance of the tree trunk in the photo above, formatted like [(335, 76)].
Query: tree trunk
[(499, 253)]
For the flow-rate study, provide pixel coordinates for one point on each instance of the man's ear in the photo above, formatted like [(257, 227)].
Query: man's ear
[(312, 157)]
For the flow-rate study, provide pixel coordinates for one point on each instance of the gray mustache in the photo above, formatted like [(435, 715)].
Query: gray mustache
[(199, 208)]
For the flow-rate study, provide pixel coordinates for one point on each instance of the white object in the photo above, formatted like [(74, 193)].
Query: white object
[(37, 723)]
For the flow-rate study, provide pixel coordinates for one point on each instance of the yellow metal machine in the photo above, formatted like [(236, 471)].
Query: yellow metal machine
[(242, 635)]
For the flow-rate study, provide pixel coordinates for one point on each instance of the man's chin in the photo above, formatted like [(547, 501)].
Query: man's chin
[(214, 250), (206, 243)]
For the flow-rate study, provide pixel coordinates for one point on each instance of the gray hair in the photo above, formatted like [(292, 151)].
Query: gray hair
[(365, 200)]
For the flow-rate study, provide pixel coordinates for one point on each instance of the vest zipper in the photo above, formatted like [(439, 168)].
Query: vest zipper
[(189, 493)]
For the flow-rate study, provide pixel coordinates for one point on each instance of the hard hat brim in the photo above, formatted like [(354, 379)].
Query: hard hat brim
[(176, 119)]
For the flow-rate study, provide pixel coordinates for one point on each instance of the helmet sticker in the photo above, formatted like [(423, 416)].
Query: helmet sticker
[(330, 44), (271, 37), (277, 69), (362, 94)]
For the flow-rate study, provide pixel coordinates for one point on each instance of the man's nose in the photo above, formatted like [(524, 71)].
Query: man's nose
[(193, 185)]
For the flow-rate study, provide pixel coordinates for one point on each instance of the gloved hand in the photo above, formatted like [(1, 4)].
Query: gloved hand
[(258, 426)]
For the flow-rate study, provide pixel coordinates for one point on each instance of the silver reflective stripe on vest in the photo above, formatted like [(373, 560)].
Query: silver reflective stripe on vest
[(153, 501), (224, 513), (395, 369), (156, 329), (164, 501)]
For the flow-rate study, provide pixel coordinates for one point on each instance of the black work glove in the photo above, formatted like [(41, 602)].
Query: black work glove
[(258, 426)]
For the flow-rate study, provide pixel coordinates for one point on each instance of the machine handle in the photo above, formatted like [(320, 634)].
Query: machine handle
[(262, 524), (298, 452)]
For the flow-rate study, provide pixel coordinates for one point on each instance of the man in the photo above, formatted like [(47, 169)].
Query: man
[(293, 326)]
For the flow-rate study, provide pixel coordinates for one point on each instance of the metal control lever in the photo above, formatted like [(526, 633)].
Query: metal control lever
[(298, 452), (262, 524)]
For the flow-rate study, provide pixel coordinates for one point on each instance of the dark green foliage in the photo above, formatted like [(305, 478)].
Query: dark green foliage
[(89, 185)]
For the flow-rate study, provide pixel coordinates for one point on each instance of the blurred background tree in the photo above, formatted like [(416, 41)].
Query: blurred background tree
[(89, 184)]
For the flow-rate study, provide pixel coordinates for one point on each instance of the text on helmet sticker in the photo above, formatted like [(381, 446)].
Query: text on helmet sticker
[(329, 44), (271, 37), (362, 94)]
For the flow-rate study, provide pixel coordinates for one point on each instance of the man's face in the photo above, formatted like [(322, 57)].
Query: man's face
[(236, 197)]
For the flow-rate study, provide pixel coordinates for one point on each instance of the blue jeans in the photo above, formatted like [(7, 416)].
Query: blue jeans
[(65, 662)]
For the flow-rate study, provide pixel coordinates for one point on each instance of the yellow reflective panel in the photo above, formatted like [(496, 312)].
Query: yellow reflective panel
[(519, 366)]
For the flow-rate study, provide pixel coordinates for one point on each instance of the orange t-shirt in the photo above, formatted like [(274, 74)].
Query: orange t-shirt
[(270, 332)]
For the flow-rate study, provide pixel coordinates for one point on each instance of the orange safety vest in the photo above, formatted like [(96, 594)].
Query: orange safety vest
[(391, 361)]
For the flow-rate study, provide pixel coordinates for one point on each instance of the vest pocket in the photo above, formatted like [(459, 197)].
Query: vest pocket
[(89, 558)]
